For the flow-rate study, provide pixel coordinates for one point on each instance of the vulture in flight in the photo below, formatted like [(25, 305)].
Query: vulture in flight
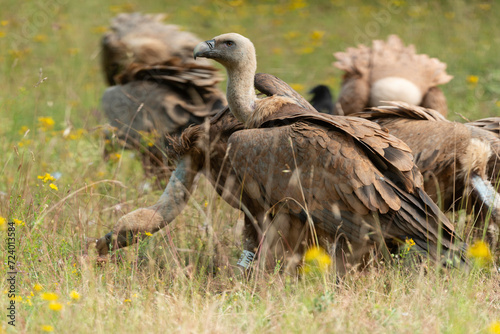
[(390, 71), (454, 158), (156, 88)]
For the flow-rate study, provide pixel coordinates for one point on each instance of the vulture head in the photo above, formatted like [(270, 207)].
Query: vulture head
[(231, 50), (237, 54)]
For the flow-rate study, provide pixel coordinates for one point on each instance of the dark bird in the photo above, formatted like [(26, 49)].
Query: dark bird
[(322, 99), (390, 71), (452, 157), (343, 175), (156, 87)]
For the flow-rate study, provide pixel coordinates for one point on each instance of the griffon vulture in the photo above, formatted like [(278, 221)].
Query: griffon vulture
[(156, 87), (390, 71), (341, 175), (191, 149), (452, 157)]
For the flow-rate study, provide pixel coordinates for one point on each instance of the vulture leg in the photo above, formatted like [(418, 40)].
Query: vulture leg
[(151, 219), (488, 195)]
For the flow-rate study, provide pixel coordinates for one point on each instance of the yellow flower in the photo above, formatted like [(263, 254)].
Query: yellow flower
[(3, 223), (37, 287), (409, 243), (53, 186), (41, 38), (485, 6), (55, 306), (497, 104), (494, 327), (291, 35), (18, 222), (449, 15), (472, 79), (316, 259), (115, 157), (74, 295), (297, 4), (99, 29), (317, 35), (480, 252), (3, 23), (304, 50), (23, 130), (45, 123), (47, 328), (73, 51), (50, 296), (148, 234), (126, 7), (297, 87), (277, 51), (2, 34), (127, 301), (47, 177)]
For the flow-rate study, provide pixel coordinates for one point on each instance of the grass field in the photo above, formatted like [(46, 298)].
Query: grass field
[(50, 122)]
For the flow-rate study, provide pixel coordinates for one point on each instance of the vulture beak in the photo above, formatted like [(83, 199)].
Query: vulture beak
[(204, 49)]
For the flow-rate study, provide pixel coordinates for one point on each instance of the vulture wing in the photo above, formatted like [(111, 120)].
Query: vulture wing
[(143, 39), (491, 124), (271, 85), (324, 172), (433, 140), (339, 170)]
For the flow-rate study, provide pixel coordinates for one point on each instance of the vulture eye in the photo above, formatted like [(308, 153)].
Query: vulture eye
[(229, 43)]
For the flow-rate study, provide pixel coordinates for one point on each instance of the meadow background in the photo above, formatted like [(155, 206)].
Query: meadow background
[(182, 279)]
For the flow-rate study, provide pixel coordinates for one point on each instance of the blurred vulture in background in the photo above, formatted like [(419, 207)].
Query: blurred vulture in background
[(390, 71), (322, 100), (156, 87), (452, 157)]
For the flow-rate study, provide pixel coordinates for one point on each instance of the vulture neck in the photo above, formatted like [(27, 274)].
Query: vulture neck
[(240, 89)]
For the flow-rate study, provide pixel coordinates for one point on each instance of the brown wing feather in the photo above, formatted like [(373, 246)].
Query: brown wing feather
[(388, 152), (271, 85), (263, 159)]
